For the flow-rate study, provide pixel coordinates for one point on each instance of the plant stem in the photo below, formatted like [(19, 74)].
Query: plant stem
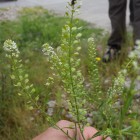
[(70, 71)]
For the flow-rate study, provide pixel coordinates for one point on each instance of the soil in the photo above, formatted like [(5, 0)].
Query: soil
[(9, 13)]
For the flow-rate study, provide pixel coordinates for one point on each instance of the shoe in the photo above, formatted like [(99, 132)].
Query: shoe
[(110, 54)]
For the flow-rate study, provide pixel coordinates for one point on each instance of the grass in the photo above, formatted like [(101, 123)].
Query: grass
[(33, 28), (36, 27)]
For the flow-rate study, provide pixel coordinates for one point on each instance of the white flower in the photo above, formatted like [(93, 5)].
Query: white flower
[(74, 28), (10, 46), (138, 42), (131, 54), (78, 48), (48, 50), (78, 35), (124, 71), (90, 39), (135, 64), (135, 53)]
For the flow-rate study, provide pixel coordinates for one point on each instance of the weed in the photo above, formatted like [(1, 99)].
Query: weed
[(113, 111)]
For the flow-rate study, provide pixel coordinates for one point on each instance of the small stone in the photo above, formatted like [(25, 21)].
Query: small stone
[(51, 104), (69, 116), (89, 120), (50, 111)]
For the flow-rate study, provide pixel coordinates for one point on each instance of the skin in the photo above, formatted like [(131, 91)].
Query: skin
[(55, 134)]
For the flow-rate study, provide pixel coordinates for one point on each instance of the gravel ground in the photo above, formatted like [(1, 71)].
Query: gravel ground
[(9, 13)]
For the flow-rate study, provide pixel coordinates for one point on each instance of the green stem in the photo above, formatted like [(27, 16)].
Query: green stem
[(3, 81), (11, 72), (70, 70), (43, 112), (70, 65)]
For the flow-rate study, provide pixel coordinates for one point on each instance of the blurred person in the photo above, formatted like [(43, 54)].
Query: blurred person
[(117, 15), (131, 16)]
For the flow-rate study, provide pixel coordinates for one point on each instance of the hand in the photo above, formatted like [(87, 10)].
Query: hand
[(55, 134)]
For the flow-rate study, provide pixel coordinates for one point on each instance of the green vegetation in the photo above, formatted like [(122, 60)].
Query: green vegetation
[(33, 28), (74, 74), (37, 26)]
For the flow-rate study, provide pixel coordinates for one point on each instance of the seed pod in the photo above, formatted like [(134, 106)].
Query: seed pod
[(73, 2)]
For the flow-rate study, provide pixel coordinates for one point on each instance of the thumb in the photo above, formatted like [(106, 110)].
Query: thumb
[(89, 132)]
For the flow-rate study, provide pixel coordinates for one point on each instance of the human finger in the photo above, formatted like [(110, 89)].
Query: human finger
[(57, 134), (89, 132)]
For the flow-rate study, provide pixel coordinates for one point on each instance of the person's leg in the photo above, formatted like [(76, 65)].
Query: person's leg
[(136, 23), (131, 8), (117, 14)]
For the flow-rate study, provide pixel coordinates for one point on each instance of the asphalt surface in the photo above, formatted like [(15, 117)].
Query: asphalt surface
[(93, 11)]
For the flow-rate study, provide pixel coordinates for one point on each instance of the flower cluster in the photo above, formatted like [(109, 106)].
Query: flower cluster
[(94, 70), (135, 56), (118, 85), (10, 46), (19, 78), (48, 51), (63, 63)]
